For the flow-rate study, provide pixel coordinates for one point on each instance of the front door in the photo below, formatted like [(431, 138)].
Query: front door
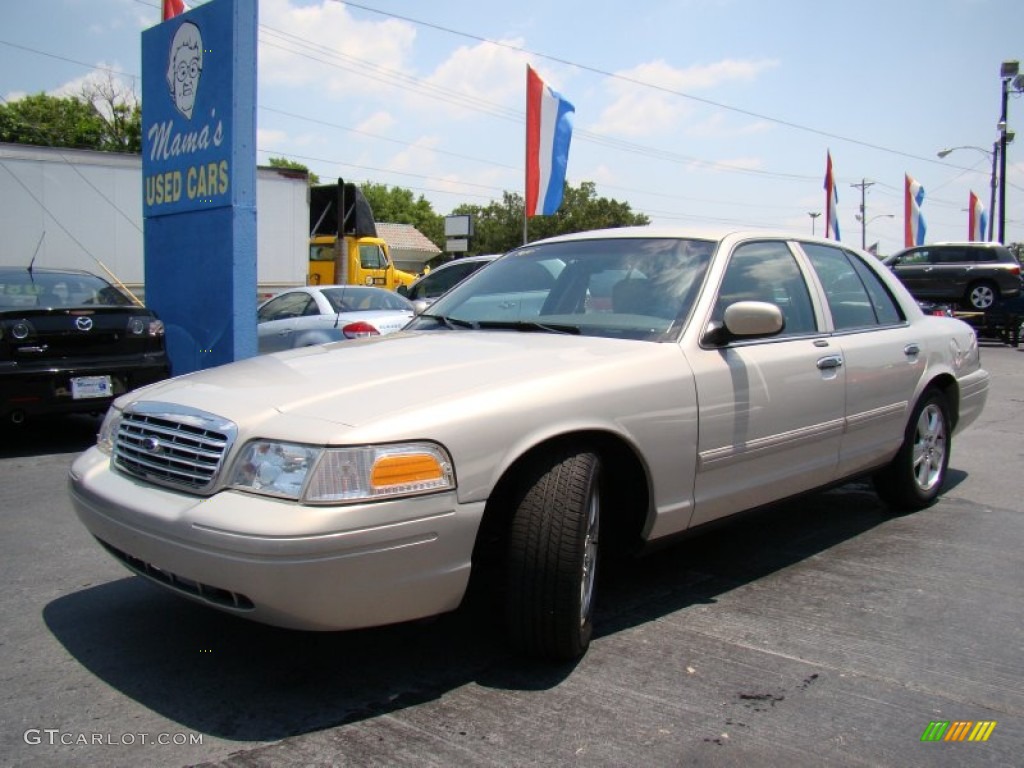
[(770, 410)]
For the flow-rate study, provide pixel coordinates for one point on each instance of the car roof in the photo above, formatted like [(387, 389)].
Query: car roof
[(9, 269), (468, 259), (712, 234)]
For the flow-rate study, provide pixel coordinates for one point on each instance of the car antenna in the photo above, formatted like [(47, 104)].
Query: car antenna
[(36, 253)]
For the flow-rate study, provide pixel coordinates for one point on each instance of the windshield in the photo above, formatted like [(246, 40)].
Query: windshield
[(638, 288), (359, 299), (57, 290)]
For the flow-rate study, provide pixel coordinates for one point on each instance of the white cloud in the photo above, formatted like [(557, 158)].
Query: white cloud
[(324, 46), (646, 100)]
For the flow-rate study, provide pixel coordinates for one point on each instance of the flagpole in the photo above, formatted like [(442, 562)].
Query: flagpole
[(526, 155)]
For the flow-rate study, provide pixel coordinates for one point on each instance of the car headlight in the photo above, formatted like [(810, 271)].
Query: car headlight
[(107, 435), (332, 475), (277, 469)]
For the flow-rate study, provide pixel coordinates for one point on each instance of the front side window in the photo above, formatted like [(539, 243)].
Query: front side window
[(767, 271), (436, 283), (287, 306), (372, 257), (920, 256)]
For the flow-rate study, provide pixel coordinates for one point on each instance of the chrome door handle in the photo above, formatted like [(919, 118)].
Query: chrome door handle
[(912, 349), (831, 361)]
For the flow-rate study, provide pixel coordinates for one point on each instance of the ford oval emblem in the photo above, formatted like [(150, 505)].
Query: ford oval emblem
[(83, 323), (150, 445)]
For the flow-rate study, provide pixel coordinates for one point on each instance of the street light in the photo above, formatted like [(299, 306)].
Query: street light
[(1008, 72), (814, 216), (864, 225), (994, 154)]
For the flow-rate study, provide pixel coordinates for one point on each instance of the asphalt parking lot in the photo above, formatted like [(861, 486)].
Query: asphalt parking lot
[(821, 632)]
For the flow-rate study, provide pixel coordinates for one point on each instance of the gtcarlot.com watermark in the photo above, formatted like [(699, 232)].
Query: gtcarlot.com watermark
[(56, 737)]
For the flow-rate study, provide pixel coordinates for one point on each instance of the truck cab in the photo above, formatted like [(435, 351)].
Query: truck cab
[(363, 261), (343, 246)]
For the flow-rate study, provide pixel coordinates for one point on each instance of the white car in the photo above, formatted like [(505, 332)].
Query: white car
[(602, 390), (301, 317)]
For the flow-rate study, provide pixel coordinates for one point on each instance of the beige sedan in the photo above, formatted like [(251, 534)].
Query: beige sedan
[(591, 392)]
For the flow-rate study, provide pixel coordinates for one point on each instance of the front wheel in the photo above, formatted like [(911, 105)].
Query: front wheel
[(552, 555), (981, 296), (914, 478)]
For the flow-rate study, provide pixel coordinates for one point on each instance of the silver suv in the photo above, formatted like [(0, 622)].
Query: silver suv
[(976, 275)]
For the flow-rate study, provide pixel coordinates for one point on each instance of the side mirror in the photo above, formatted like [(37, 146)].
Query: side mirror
[(745, 319), (420, 306)]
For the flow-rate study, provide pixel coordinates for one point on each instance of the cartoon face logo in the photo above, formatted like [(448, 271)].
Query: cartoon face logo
[(184, 66)]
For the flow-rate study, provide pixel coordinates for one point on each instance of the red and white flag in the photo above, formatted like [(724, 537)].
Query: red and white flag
[(173, 7), (548, 135), (977, 219), (831, 201)]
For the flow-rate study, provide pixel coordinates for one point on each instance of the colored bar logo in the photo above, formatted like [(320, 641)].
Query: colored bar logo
[(958, 730)]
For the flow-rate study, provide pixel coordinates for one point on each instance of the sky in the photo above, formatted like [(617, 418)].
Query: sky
[(694, 112)]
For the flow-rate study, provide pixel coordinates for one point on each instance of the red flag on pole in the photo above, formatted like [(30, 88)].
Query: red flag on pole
[(173, 7)]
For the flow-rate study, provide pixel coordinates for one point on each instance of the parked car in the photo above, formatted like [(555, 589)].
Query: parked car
[(519, 431), (425, 288), (71, 342), (302, 317), (974, 274)]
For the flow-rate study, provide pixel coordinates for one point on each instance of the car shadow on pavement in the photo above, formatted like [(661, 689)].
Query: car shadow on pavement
[(238, 680)]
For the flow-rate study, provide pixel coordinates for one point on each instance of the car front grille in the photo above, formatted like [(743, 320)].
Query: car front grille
[(173, 446)]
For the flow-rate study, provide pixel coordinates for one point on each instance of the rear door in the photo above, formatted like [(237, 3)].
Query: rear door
[(771, 409), (882, 356)]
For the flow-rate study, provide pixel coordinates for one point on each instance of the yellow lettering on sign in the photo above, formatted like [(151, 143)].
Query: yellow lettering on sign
[(201, 183), (163, 188)]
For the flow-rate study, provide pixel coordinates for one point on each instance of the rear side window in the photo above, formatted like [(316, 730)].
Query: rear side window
[(857, 297)]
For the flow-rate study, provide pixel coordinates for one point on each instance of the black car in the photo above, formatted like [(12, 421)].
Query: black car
[(72, 342), (428, 287), (975, 275)]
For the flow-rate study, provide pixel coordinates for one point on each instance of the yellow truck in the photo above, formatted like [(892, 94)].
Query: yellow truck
[(343, 246)]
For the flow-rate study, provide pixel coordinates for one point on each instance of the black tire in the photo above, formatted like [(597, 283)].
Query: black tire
[(552, 555), (914, 478), (981, 295)]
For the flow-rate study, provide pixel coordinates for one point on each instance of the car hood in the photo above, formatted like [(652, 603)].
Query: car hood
[(354, 383)]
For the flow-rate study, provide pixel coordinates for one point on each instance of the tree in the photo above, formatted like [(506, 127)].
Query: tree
[(120, 110), (498, 227), (107, 116), (51, 121), (283, 162)]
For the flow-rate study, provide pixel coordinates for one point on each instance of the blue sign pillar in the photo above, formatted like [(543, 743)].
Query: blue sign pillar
[(199, 181)]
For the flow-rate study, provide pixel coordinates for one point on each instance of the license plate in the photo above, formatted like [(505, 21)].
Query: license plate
[(84, 387)]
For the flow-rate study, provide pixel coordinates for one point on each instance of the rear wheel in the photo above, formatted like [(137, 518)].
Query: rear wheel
[(914, 478), (982, 295), (553, 555)]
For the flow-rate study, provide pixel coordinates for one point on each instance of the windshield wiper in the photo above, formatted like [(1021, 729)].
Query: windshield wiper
[(529, 325), (451, 322)]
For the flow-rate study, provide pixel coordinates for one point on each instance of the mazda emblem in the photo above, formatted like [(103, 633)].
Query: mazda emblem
[(83, 323)]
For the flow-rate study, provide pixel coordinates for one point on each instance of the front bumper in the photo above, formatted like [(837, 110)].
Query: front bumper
[(281, 563)]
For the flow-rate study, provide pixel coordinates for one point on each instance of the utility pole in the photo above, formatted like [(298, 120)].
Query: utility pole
[(863, 186)]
